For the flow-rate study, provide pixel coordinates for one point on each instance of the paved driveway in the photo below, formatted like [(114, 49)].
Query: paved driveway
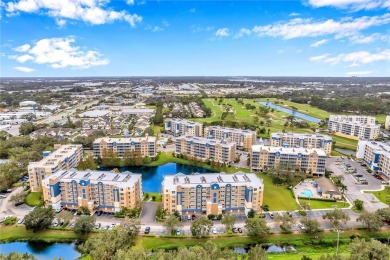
[(355, 190), (148, 213)]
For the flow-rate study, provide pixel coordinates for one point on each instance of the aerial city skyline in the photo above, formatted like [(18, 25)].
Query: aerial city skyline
[(195, 38)]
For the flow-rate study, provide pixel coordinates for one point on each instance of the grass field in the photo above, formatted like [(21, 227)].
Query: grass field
[(33, 199), (151, 194), (383, 195), (19, 233), (381, 118), (318, 204), (342, 142)]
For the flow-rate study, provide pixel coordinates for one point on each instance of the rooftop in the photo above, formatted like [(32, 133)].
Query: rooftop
[(300, 135), (288, 150), (63, 152), (183, 121), (125, 139), (227, 129), (379, 147), (201, 140)]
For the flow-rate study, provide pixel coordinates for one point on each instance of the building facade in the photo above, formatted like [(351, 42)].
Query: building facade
[(64, 157), (309, 160), (145, 146), (297, 140), (203, 148), (212, 193), (243, 138), (95, 190), (377, 156), (179, 127), (362, 127)]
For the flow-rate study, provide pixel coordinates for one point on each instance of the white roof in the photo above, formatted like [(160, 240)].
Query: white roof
[(94, 113), (288, 150), (301, 135), (233, 130), (125, 140)]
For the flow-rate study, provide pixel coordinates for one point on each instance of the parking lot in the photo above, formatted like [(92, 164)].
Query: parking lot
[(338, 167)]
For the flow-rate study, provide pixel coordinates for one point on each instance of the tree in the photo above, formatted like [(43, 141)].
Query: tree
[(336, 216), (373, 221), (286, 221), (39, 219), (384, 213), (305, 205), (18, 198), (84, 224), (87, 164), (312, 226), (251, 213), (177, 214), (129, 229), (17, 256), (229, 221), (359, 204), (147, 160), (171, 224), (372, 250), (257, 227), (64, 216), (201, 226), (257, 253), (83, 211)]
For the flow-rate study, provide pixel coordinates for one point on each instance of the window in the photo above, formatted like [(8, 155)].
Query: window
[(84, 193)]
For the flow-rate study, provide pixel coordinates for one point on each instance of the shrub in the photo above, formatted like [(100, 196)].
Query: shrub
[(302, 213), (10, 221)]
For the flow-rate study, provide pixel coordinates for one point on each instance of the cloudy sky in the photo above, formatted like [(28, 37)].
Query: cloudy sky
[(189, 38)]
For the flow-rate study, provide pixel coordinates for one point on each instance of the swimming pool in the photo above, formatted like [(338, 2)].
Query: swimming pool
[(306, 193)]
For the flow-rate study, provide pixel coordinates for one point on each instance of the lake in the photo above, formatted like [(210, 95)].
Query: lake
[(291, 112), (42, 251), (152, 176)]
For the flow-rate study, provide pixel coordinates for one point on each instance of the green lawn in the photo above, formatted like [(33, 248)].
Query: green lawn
[(19, 233), (33, 199), (277, 197), (381, 118), (319, 204), (383, 195), (342, 142), (151, 194)]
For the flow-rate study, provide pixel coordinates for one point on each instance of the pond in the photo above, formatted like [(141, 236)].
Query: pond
[(42, 251), (291, 112), (152, 176), (345, 151)]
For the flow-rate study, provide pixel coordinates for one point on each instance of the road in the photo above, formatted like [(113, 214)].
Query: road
[(7, 208)]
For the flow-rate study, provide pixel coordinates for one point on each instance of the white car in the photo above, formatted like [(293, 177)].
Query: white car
[(215, 231), (178, 232), (301, 226)]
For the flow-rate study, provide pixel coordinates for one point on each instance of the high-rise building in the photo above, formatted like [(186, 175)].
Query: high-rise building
[(362, 127), (309, 160), (144, 146), (243, 138), (212, 193), (179, 127), (376, 155), (203, 148), (63, 157), (95, 190), (297, 140)]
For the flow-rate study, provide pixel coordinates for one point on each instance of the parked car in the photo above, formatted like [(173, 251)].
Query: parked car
[(72, 225), (385, 182), (3, 196), (215, 231), (188, 217), (301, 226), (290, 214), (99, 212), (193, 217), (21, 221), (234, 230), (239, 230), (147, 230), (112, 226), (271, 215), (98, 225), (178, 232), (58, 210), (107, 227)]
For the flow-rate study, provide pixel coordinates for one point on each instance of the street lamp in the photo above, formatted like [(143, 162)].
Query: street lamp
[(338, 239)]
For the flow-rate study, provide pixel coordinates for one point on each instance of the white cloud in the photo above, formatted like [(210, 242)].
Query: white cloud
[(89, 11), (165, 23), (60, 53), (197, 29), (299, 27), (22, 48), (24, 69), (294, 14), (318, 43), (154, 28), (242, 32), (354, 58), (130, 2), (222, 32), (359, 73), (354, 5)]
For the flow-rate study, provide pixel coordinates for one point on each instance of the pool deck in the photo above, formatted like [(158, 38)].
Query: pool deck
[(305, 185)]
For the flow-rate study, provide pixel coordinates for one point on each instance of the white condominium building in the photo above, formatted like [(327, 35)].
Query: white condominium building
[(297, 140), (310, 160), (203, 149), (63, 157), (178, 127), (243, 138), (144, 146), (377, 156), (363, 127), (95, 190), (212, 193)]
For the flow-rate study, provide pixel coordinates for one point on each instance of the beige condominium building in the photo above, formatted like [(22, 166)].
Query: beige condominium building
[(203, 148), (63, 157), (310, 160), (95, 190), (212, 193), (376, 155), (243, 138), (145, 146), (178, 127), (297, 140), (362, 127)]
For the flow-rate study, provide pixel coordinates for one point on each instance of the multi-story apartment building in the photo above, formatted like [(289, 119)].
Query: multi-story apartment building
[(320, 141), (63, 157), (377, 156), (203, 148), (95, 190), (212, 193), (145, 146), (178, 127), (362, 127), (310, 160), (243, 138)]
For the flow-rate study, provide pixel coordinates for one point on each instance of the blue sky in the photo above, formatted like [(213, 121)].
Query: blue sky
[(57, 38)]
